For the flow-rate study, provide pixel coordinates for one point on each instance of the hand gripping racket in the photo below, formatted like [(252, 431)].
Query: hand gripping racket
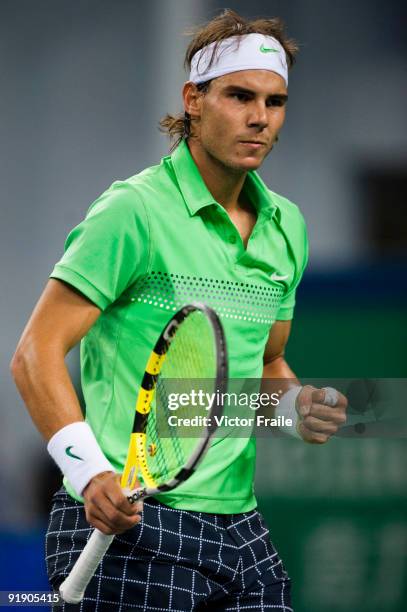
[(190, 350)]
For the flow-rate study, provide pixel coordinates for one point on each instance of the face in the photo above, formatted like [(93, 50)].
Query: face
[(237, 121)]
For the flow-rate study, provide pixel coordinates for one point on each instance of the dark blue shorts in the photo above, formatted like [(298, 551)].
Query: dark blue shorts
[(172, 560)]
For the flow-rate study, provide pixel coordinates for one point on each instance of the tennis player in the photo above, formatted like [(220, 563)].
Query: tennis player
[(202, 226)]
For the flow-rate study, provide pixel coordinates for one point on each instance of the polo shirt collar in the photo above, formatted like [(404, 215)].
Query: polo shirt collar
[(196, 194)]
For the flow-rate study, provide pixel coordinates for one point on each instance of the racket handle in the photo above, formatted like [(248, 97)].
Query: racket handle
[(73, 587)]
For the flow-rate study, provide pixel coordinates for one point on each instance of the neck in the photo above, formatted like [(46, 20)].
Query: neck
[(225, 184)]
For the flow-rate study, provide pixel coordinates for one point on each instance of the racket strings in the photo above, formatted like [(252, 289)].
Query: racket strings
[(190, 364)]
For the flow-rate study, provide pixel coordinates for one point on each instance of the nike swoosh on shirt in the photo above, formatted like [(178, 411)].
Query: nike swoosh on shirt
[(278, 277)]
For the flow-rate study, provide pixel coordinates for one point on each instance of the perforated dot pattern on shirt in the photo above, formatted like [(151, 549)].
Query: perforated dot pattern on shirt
[(230, 299)]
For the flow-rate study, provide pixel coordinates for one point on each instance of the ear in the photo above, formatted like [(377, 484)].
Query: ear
[(192, 99)]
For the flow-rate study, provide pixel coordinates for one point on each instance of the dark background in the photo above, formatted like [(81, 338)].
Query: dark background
[(83, 85)]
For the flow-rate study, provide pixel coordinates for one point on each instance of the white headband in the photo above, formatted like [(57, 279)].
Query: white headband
[(247, 52)]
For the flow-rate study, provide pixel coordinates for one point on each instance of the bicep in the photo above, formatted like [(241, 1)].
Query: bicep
[(277, 341), (60, 319)]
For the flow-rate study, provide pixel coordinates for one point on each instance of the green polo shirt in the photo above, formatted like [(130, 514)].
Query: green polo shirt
[(149, 245)]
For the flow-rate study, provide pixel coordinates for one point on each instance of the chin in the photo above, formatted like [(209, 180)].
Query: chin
[(249, 164), (238, 163)]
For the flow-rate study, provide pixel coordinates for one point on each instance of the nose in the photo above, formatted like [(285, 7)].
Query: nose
[(258, 117)]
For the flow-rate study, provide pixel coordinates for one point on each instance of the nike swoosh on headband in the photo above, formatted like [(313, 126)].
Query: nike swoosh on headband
[(264, 49)]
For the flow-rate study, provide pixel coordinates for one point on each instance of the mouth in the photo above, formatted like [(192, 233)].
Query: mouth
[(253, 144)]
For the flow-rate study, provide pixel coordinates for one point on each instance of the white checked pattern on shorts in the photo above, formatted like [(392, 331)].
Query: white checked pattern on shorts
[(174, 560)]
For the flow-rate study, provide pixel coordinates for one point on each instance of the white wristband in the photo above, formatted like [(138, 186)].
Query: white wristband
[(286, 409), (78, 455)]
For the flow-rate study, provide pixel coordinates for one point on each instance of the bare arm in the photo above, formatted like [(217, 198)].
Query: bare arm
[(277, 374), (275, 365), (60, 319)]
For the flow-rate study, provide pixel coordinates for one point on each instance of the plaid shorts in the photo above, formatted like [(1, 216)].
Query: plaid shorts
[(172, 560)]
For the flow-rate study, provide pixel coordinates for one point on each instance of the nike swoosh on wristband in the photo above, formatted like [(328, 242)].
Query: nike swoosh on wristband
[(278, 277), (264, 49), (70, 454)]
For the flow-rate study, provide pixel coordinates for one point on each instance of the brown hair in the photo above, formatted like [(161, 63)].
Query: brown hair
[(225, 25)]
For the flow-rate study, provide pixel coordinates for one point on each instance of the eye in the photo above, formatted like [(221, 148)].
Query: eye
[(240, 96), (274, 101)]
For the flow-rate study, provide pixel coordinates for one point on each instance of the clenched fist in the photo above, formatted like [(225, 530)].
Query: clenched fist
[(321, 413)]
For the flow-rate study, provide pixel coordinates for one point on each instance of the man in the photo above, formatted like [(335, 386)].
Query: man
[(200, 226)]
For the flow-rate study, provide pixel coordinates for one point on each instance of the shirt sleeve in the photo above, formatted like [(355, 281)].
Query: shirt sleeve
[(286, 309), (109, 250)]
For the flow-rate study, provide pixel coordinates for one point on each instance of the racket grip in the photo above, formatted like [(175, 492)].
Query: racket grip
[(73, 587)]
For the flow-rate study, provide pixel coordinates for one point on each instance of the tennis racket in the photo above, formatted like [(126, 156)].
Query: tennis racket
[(191, 351)]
